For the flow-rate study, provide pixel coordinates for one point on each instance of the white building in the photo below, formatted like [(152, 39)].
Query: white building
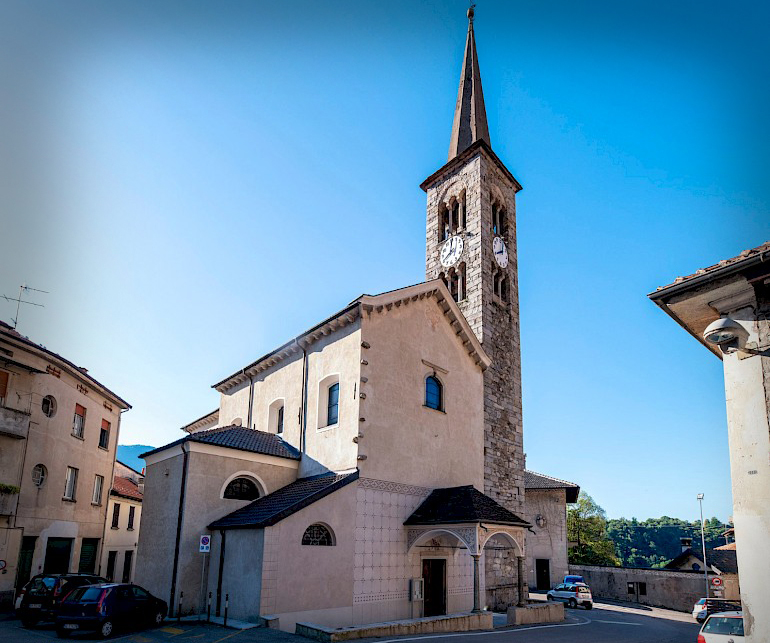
[(737, 292), (124, 515)]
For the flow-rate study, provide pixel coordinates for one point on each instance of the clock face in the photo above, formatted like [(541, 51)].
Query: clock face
[(501, 253), (451, 251)]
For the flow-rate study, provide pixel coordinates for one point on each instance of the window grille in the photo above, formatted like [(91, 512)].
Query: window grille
[(319, 535), (241, 489)]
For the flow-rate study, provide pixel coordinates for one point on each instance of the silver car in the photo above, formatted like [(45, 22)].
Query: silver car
[(573, 594)]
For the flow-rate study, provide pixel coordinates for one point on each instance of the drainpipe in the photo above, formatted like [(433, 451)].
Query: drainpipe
[(222, 540), (304, 400), (251, 400), (179, 517)]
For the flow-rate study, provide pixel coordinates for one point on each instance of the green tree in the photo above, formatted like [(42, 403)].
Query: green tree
[(587, 533)]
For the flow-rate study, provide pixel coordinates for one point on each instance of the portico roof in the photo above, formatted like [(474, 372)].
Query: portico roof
[(466, 504)]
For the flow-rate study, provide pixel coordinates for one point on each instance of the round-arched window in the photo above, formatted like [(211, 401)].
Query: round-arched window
[(318, 534), (39, 474), (241, 489), (49, 406), (433, 393)]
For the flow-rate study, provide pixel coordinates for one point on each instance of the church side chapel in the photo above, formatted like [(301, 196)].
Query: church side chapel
[(372, 467)]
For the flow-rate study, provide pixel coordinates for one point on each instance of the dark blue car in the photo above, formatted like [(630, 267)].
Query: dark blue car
[(107, 607)]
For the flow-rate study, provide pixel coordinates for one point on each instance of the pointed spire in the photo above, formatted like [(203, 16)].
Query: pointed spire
[(470, 122)]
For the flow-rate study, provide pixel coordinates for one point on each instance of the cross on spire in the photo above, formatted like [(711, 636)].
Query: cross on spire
[(470, 122)]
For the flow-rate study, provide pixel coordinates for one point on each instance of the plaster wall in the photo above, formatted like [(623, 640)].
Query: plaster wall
[(403, 439), (209, 469), (548, 542), (327, 448), (242, 572), (42, 511), (746, 391)]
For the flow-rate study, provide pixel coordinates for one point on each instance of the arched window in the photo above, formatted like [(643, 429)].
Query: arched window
[(434, 393), (319, 535), (241, 489)]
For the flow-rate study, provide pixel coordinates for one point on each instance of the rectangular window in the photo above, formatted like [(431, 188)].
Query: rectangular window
[(631, 589), (111, 558), (115, 515), (332, 411), (79, 421), (642, 589), (280, 420), (98, 486), (71, 483), (104, 435), (4, 377), (131, 511)]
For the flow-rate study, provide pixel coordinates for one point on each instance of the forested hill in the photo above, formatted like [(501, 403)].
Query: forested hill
[(654, 542)]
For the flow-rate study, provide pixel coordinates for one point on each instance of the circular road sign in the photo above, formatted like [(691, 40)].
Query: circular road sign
[(716, 581)]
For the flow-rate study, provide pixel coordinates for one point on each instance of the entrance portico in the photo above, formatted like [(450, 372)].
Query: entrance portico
[(464, 518)]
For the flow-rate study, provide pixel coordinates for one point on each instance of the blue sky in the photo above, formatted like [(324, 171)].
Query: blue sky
[(196, 182)]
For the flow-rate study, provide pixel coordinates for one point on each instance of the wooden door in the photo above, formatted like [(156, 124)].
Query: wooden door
[(434, 575), (543, 574)]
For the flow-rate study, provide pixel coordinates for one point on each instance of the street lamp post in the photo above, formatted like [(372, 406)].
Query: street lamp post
[(703, 544)]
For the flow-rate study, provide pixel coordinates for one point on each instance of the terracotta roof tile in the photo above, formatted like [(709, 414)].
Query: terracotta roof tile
[(126, 488), (746, 254)]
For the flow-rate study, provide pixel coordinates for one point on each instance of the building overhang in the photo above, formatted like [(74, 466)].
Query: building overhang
[(465, 156)]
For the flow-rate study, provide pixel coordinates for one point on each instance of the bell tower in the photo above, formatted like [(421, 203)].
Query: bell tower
[(471, 245)]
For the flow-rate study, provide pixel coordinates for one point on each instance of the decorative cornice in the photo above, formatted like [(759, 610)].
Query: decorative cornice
[(393, 487)]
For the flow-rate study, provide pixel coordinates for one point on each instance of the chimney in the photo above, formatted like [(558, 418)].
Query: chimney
[(686, 543)]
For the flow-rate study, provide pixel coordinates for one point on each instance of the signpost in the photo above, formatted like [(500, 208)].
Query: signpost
[(204, 548)]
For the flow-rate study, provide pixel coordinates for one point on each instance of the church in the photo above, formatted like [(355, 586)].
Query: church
[(371, 468)]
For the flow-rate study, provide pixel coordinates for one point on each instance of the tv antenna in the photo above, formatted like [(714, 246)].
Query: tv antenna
[(19, 301)]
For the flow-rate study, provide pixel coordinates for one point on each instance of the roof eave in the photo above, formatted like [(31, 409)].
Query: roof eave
[(463, 158), (348, 315)]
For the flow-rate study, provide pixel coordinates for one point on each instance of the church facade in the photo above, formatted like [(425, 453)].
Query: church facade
[(371, 468)]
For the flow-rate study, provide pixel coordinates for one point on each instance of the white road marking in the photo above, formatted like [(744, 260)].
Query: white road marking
[(486, 633), (596, 620)]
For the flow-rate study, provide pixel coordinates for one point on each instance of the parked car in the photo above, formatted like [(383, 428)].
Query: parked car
[(107, 607), (725, 627), (572, 578), (40, 597), (707, 606), (573, 594)]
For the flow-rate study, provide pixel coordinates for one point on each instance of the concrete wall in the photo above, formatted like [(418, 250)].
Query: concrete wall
[(404, 440), (241, 573), (671, 589), (550, 541)]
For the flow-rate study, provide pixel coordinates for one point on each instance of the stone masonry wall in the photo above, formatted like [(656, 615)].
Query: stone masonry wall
[(496, 324)]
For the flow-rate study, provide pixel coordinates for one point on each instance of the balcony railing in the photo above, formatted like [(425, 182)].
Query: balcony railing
[(14, 423)]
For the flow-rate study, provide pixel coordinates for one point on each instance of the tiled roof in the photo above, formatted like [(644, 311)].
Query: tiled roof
[(727, 547), (282, 503), (126, 488), (534, 481), (241, 438), (724, 560), (725, 263), (77, 371), (461, 504)]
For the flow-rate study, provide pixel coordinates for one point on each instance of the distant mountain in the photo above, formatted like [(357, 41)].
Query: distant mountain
[(129, 454)]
